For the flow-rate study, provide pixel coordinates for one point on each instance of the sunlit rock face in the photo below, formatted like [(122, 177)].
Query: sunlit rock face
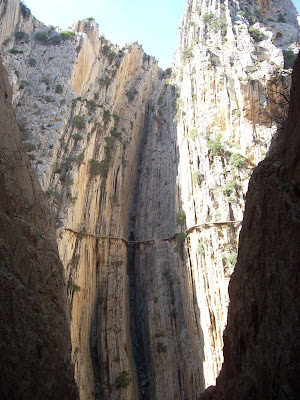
[(261, 340), (130, 157)]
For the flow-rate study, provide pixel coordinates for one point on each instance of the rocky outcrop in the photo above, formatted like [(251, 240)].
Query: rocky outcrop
[(261, 341), (35, 331), (147, 172)]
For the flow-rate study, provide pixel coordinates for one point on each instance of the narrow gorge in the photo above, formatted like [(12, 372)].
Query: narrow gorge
[(145, 174)]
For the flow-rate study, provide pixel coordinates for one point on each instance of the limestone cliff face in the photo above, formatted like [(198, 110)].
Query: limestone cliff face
[(261, 341), (147, 172), (228, 71), (35, 331)]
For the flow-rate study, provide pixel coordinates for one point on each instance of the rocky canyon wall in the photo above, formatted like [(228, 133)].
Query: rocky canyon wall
[(35, 326), (147, 172), (261, 341)]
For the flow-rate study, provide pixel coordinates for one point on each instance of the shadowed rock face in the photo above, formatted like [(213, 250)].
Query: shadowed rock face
[(261, 341), (34, 329)]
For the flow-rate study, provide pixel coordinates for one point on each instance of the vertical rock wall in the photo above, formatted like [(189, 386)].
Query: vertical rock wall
[(35, 327), (147, 172), (261, 341)]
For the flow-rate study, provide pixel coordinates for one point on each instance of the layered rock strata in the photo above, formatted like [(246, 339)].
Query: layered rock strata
[(35, 343)]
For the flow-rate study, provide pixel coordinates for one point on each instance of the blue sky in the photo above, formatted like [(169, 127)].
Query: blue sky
[(297, 5), (153, 23)]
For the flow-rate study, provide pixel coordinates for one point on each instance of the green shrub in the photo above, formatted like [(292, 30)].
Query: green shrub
[(41, 37), (111, 56), (21, 35), (29, 146), (106, 116), (78, 48), (106, 50), (67, 35), (59, 89), (197, 178), (78, 122), (238, 160), (23, 84), (54, 40), (46, 79), (200, 248), (49, 99), (180, 238), (15, 51), (207, 18), (161, 348), (24, 9), (90, 19), (232, 259), (289, 58), (131, 93), (116, 118), (180, 218), (104, 81), (98, 168), (72, 286), (32, 62), (230, 186), (280, 18), (186, 54), (160, 100), (193, 134), (256, 34), (80, 158), (215, 147), (77, 137), (122, 380)]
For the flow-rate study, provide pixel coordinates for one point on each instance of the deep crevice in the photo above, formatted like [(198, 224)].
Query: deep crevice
[(138, 301)]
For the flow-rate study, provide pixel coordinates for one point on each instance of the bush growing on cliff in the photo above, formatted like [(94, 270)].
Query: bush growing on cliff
[(29, 147), (122, 380), (54, 40), (23, 84), (21, 36), (98, 168), (78, 122), (232, 259), (256, 34), (207, 18), (32, 62), (15, 51), (106, 116), (77, 137), (67, 35), (238, 160), (200, 248), (41, 37), (186, 54), (25, 11), (180, 238), (289, 58), (215, 147), (180, 218), (59, 89), (161, 348), (229, 187), (280, 18)]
